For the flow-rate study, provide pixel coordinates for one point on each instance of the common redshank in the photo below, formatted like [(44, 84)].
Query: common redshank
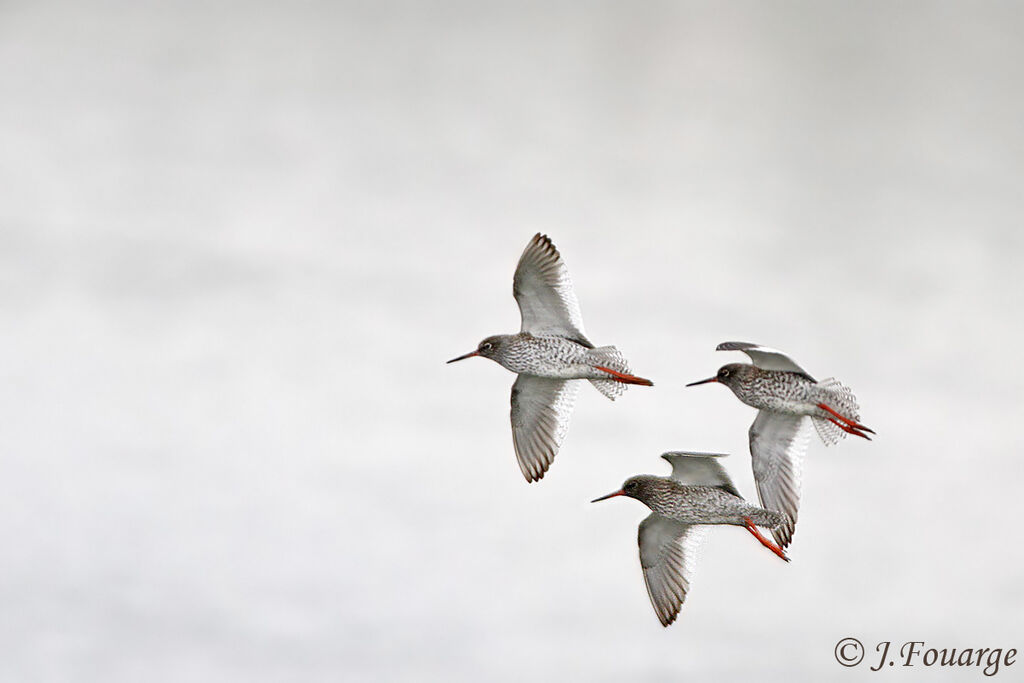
[(785, 395), (698, 493), (549, 352)]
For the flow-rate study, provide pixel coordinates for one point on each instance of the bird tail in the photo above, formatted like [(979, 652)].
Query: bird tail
[(781, 525), (828, 431), (841, 414), (776, 520), (610, 360)]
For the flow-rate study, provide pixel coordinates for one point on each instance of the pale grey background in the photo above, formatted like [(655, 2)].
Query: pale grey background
[(238, 241)]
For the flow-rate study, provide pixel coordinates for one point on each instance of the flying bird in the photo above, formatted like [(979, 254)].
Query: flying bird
[(699, 492), (550, 351), (787, 397)]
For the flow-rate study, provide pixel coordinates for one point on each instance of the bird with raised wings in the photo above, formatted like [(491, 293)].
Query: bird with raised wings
[(787, 397), (699, 492), (550, 351)]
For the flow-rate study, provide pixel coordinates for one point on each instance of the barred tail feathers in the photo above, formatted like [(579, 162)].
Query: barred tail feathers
[(841, 399), (609, 357)]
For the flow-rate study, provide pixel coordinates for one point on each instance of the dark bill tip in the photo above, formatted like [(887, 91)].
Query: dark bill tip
[(464, 356), (703, 381), (610, 495)]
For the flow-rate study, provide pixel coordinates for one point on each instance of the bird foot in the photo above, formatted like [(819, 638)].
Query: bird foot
[(752, 528)]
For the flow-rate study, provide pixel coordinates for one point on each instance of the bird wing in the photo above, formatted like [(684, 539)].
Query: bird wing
[(764, 357), (777, 445), (541, 409), (668, 553), (700, 469), (544, 292)]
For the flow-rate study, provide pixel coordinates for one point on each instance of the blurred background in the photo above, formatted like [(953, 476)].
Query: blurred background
[(239, 240)]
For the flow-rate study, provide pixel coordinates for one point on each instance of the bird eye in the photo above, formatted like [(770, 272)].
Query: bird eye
[(486, 346), (631, 485)]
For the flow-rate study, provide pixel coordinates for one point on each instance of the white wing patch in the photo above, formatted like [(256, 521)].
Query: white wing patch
[(668, 554), (541, 409), (777, 445), (543, 289)]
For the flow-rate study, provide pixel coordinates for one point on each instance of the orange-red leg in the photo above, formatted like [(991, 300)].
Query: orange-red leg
[(752, 528), (624, 378), (846, 420)]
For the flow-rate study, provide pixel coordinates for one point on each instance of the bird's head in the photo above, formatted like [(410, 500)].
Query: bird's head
[(642, 487), (488, 348), (729, 375)]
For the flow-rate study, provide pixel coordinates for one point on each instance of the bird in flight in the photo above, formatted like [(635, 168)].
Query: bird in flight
[(550, 351), (698, 493), (787, 398)]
